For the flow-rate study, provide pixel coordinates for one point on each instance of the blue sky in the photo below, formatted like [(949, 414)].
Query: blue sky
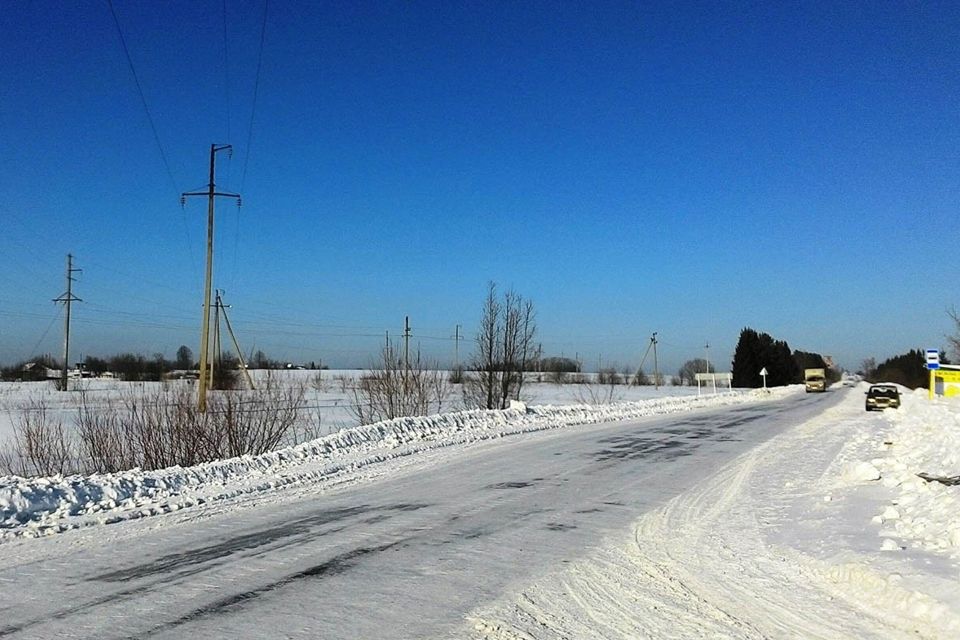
[(689, 169)]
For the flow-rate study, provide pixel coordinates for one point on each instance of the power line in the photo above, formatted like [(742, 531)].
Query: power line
[(143, 98), (153, 128), (226, 68), (256, 92), (45, 332)]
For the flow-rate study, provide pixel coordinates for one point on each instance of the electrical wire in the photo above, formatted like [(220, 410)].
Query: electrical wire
[(256, 92), (143, 98), (46, 331), (226, 69), (156, 134)]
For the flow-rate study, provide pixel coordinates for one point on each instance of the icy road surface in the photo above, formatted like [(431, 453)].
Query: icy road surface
[(409, 555)]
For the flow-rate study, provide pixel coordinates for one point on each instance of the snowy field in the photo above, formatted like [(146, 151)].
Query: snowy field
[(821, 530)]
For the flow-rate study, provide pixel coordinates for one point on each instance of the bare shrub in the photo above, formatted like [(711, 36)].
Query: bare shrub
[(40, 445), (596, 394), (226, 373), (307, 430), (7, 460), (159, 428), (318, 383), (344, 381), (100, 437), (256, 421), (608, 376), (558, 377), (392, 390), (163, 428)]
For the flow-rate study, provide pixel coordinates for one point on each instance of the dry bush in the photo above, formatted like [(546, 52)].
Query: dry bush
[(393, 389), (596, 394), (256, 421), (318, 383), (609, 375), (344, 381), (159, 428), (40, 445), (100, 438)]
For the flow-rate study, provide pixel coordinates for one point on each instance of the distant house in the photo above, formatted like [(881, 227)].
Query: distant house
[(36, 371)]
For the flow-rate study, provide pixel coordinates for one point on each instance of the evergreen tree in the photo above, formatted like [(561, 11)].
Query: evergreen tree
[(746, 360), (756, 351), (909, 369)]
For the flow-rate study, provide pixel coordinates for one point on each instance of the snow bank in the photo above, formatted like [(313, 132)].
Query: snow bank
[(42, 506), (922, 437)]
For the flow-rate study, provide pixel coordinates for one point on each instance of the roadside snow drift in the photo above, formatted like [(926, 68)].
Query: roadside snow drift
[(42, 506)]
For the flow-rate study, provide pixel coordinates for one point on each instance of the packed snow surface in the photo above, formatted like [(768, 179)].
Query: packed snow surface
[(825, 531), (822, 529)]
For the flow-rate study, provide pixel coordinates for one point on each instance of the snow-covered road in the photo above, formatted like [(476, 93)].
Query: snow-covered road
[(410, 553)]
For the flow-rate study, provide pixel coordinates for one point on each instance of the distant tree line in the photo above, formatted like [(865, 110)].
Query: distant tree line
[(756, 351), (908, 369), (136, 367)]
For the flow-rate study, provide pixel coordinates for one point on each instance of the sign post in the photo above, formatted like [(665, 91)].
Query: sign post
[(763, 372), (933, 363)]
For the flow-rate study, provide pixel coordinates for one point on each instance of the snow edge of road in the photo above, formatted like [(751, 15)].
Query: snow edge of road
[(33, 507)]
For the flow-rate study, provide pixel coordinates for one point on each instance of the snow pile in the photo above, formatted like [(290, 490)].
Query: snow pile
[(41, 506), (923, 437)]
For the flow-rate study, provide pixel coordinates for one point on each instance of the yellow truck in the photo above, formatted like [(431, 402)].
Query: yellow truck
[(815, 379)]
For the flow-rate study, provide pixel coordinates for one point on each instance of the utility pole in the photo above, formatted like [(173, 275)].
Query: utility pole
[(236, 345), (66, 299), (406, 343), (211, 194), (216, 362), (456, 349), (656, 367), (707, 347)]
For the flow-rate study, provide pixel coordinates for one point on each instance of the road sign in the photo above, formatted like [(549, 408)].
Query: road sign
[(933, 359), (763, 372)]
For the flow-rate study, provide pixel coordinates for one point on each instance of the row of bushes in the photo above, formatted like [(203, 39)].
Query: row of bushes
[(153, 429)]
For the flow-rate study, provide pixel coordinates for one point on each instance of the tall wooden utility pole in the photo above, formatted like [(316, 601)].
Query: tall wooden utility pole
[(66, 299), (406, 342), (656, 367), (211, 193), (456, 349)]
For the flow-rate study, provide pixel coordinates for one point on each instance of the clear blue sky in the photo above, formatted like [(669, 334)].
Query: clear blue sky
[(630, 167)]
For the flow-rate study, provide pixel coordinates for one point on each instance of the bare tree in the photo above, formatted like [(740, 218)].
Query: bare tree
[(954, 339), (393, 389), (505, 346), (691, 368)]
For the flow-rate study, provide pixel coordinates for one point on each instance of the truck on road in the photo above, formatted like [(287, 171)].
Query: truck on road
[(815, 379)]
